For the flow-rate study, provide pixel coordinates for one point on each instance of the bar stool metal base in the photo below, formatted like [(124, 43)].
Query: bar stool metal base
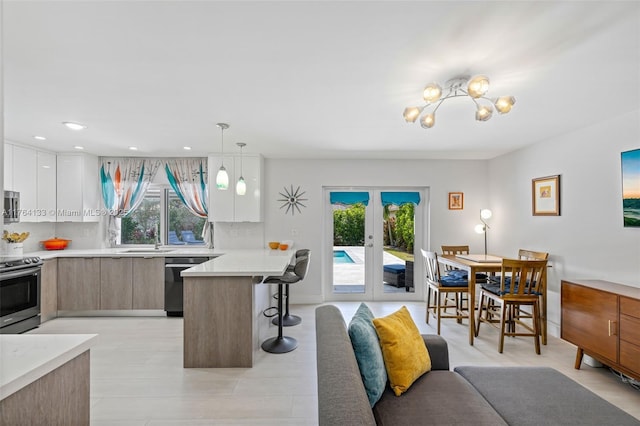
[(287, 320), (279, 345)]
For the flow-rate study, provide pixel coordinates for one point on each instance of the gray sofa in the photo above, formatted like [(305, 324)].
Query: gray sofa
[(467, 395)]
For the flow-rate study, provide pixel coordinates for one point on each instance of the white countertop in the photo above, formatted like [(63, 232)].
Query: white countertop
[(243, 263), (128, 252), (24, 358)]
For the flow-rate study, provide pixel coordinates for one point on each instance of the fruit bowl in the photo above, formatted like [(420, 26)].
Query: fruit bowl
[(55, 243), (284, 246), (274, 244)]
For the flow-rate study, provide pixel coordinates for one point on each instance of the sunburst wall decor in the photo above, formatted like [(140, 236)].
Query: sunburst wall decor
[(292, 200)]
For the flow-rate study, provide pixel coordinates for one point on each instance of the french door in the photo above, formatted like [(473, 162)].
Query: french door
[(372, 235)]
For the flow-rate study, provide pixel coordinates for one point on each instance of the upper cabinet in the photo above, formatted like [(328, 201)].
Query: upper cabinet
[(226, 205), (32, 173), (78, 188)]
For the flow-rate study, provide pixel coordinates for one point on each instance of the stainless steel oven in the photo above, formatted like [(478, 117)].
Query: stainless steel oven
[(19, 295)]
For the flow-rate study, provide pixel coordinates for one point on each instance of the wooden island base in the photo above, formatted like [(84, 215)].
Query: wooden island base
[(223, 321)]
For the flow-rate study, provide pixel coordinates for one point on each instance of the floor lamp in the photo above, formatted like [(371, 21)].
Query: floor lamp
[(482, 228)]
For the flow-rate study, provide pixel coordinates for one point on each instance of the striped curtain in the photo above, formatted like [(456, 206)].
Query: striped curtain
[(188, 178), (124, 183)]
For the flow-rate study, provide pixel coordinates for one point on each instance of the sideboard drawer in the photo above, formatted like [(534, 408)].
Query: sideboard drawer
[(630, 329), (630, 307), (630, 356)]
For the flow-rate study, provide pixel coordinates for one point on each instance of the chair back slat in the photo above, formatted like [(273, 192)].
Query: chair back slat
[(431, 266), (532, 255), (522, 277)]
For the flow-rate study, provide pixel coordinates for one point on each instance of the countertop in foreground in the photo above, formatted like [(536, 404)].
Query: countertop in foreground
[(28, 357)]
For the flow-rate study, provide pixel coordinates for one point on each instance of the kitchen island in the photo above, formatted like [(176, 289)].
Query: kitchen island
[(223, 304)]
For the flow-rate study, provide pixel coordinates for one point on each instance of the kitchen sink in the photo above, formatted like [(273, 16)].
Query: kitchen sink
[(147, 250)]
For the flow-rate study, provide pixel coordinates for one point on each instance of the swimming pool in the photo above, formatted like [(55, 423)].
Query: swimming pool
[(341, 256)]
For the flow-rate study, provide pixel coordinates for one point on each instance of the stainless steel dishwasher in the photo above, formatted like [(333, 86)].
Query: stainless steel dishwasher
[(173, 285)]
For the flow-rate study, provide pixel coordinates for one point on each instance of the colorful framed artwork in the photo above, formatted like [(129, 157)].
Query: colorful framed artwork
[(456, 201), (545, 193), (631, 188)]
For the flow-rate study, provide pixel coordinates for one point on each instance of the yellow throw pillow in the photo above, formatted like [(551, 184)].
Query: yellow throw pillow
[(405, 355)]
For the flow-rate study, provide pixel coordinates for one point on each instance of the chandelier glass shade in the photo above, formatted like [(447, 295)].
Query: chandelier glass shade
[(222, 178), (475, 88)]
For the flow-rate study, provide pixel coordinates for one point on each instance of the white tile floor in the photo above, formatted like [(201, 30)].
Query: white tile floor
[(137, 376)]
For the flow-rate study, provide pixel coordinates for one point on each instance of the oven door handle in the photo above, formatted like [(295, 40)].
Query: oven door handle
[(19, 273)]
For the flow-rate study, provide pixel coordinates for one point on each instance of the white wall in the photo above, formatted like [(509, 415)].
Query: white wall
[(588, 240), (447, 226)]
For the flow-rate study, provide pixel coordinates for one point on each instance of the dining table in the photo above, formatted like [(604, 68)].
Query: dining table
[(486, 263)]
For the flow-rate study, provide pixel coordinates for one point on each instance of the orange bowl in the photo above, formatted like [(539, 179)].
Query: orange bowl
[(274, 245), (284, 246)]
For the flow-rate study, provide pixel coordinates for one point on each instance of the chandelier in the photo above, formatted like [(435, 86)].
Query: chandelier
[(475, 88)]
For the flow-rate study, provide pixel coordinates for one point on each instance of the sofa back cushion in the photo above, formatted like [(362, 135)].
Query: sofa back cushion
[(366, 348)]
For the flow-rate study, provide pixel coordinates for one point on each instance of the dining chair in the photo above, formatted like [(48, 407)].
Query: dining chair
[(450, 270), (439, 285), (525, 254), (520, 285)]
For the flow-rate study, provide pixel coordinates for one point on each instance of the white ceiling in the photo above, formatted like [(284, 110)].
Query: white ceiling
[(311, 79)]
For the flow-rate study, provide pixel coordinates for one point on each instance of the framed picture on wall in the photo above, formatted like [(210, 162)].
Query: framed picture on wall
[(545, 192), (631, 188), (456, 201)]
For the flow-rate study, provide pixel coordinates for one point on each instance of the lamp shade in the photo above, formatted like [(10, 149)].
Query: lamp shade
[(478, 86), (222, 179), (480, 229), (411, 114), (432, 92), (241, 186), (484, 112), (428, 120), (486, 213), (504, 104)]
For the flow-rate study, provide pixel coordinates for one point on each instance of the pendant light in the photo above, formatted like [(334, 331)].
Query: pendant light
[(241, 186), (222, 178)]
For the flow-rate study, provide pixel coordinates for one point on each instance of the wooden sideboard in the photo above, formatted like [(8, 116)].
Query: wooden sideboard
[(603, 320)]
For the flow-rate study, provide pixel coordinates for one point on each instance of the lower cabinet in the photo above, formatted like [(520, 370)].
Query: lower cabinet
[(148, 283), (49, 290), (116, 283), (78, 283), (108, 283)]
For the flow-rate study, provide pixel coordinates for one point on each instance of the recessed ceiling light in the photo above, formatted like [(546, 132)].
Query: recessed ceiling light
[(40, 138), (46, 167), (74, 126), (79, 147), (133, 148), (186, 148)]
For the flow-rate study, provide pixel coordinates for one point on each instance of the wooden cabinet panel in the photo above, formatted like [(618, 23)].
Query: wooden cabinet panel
[(49, 290), (630, 329), (78, 283), (148, 283), (630, 307), (630, 357), (587, 315), (116, 290)]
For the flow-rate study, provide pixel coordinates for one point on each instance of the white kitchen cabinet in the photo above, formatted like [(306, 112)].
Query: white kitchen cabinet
[(8, 167), (46, 186), (25, 181), (227, 206), (78, 188)]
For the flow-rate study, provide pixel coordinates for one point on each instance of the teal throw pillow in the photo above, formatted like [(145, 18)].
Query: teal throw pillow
[(366, 348)]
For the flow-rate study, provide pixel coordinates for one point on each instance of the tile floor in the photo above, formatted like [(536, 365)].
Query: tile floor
[(137, 376)]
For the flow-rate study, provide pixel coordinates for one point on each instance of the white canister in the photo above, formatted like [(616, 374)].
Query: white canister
[(13, 251)]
